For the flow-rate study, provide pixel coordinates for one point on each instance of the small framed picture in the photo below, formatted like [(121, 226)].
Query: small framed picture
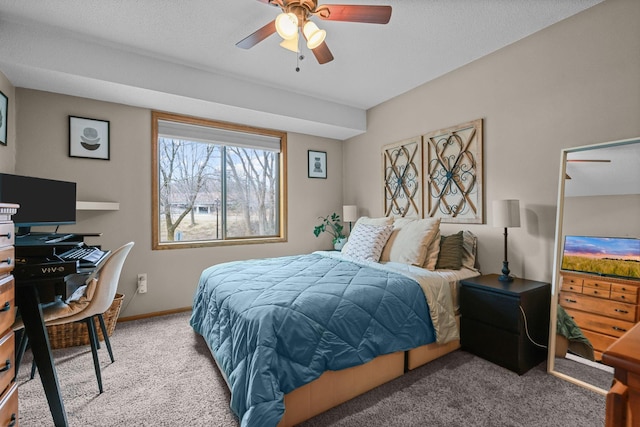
[(88, 138), (4, 112), (317, 164)]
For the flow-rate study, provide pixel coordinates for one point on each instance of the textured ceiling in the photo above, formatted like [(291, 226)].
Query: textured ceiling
[(181, 55)]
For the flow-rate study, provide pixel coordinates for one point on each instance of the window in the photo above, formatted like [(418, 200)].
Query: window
[(216, 183)]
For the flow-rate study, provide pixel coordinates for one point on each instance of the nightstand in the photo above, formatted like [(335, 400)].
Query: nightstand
[(492, 324)]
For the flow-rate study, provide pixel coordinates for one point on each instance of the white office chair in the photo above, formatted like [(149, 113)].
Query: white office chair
[(90, 303)]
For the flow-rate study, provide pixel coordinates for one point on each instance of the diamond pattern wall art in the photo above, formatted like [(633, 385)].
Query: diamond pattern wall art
[(453, 174)]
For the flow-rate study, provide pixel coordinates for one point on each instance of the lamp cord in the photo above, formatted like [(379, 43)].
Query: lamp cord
[(526, 328)]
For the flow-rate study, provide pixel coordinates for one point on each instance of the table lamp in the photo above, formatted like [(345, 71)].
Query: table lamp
[(349, 214), (506, 213)]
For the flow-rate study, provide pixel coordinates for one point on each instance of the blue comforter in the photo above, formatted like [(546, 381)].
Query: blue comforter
[(276, 324)]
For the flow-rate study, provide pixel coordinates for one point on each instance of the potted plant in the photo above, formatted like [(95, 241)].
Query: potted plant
[(331, 224)]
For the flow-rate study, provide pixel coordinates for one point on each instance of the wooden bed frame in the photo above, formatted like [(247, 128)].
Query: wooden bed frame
[(335, 387)]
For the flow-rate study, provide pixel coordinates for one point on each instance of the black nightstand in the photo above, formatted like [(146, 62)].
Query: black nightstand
[(492, 325)]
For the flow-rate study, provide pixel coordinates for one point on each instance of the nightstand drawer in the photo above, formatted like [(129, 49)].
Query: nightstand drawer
[(509, 350), (498, 310)]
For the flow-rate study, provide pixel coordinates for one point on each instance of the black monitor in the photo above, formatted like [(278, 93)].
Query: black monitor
[(42, 201)]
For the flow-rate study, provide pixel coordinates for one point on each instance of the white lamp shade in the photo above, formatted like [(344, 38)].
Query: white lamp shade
[(287, 25), (350, 213), (313, 34), (506, 213), (291, 44)]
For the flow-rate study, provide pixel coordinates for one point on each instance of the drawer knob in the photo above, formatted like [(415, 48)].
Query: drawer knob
[(570, 300), (6, 306), (618, 310), (7, 235), (13, 421), (7, 366), (615, 328), (8, 261)]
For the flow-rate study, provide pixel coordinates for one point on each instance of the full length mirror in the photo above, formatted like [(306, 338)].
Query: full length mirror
[(596, 286)]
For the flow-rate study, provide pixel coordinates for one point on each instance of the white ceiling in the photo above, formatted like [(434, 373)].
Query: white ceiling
[(619, 176), (180, 56)]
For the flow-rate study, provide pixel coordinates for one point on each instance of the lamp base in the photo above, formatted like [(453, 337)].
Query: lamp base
[(504, 277)]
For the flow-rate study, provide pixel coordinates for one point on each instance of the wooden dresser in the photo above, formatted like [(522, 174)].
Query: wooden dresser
[(603, 308), (8, 386), (623, 400)]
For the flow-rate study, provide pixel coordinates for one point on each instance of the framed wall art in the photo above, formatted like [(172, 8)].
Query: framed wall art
[(453, 174), (4, 113), (317, 164), (402, 170), (88, 138)]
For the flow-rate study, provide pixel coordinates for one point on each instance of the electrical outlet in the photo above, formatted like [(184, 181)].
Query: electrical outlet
[(142, 283)]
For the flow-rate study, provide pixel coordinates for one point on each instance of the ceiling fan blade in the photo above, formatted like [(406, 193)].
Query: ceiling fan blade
[(259, 35), (323, 54), (355, 13)]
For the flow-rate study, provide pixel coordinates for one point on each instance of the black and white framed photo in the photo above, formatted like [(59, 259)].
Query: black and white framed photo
[(317, 164), (4, 112), (88, 138)]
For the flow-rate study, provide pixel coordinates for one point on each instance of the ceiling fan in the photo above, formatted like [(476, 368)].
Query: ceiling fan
[(295, 19), (584, 161)]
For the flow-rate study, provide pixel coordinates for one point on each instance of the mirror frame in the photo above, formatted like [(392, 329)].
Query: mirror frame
[(557, 259)]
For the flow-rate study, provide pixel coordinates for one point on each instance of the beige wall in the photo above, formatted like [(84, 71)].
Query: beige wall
[(8, 152), (574, 83), (126, 178), (607, 216)]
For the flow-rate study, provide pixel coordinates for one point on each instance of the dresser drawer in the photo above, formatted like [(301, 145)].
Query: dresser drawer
[(600, 342), (572, 287), (602, 324), (568, 279), (7, 259), (625, 289), (597, 284), (7, 237), (615, 309), (9, 407), (7, 358), (624, 297), (7, 303)]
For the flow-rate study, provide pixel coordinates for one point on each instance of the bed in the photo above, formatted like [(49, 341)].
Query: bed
[(294, 336)]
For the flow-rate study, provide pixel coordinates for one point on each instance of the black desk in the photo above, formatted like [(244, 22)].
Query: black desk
[(29, 302)]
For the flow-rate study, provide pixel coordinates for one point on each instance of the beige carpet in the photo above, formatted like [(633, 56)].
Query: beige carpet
[(164, 376)]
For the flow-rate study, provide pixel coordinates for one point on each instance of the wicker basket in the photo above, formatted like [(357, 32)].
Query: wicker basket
[(75, 333)]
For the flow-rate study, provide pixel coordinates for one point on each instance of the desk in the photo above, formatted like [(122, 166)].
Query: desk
[(28, 301)]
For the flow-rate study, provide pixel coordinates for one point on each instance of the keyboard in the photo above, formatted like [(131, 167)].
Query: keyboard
[(87, 256)]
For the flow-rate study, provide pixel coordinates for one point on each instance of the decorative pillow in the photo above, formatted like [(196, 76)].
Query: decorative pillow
[(365, 220), (450, 256), (410, 240), (366, 242), (432, 253), (469, 249)]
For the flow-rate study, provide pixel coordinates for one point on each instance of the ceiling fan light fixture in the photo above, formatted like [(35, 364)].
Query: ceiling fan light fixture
[(313, 34), (291, 44), (287, 25)]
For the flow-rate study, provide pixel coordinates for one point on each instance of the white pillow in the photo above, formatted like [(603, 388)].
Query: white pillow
[(365, 220), (433, 251), (410, 240), (366, 242)]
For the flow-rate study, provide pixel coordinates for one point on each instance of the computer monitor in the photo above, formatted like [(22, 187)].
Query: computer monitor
[(43, 202)]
